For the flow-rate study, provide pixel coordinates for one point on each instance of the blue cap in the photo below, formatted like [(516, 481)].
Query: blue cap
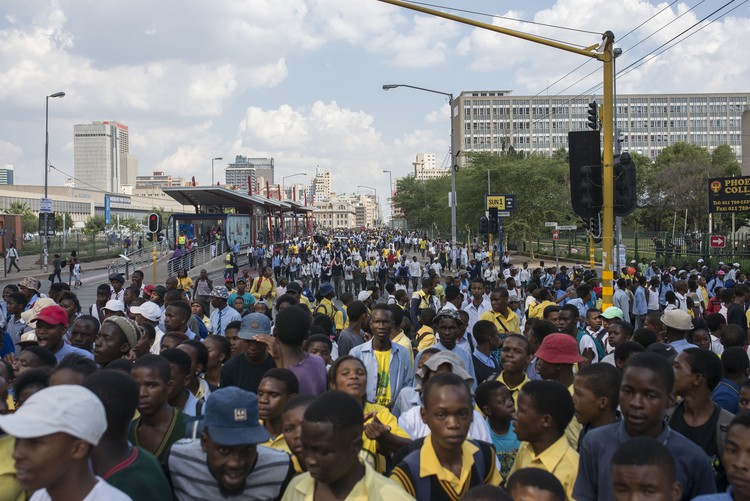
[(326, 288), (231, 417), (254, 324)]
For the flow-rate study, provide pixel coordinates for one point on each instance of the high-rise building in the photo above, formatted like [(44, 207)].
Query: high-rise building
[(6, 174), (321, 185), (101, 156), (236, 173), (496, 121), (263, 168), (425, 167), (158, 180)]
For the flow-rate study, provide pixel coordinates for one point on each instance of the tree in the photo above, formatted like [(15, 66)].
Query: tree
[(30, 222), (59, 221), (94, 225)]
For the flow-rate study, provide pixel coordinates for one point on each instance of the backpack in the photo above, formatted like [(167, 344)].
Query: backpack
[(599, 346)]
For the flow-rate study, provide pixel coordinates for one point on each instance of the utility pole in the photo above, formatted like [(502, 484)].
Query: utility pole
[(602, 51)]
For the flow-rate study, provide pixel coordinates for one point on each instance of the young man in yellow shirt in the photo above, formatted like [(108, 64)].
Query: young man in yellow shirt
[(544, 410), (501, 315)]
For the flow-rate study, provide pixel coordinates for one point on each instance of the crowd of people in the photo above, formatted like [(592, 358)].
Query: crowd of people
[(379, 365)]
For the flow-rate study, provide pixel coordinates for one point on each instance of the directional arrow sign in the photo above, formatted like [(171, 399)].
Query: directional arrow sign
[(718, 241), (567, 228)]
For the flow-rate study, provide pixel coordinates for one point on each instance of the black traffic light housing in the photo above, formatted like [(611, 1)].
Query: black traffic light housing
[(586, 179), (154, 222), (594, 226), (593, 115), (483, 225), (625, 199), (493, 222), (150, 237)]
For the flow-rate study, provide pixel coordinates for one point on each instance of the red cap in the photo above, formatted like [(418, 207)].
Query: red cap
[(559, 349), (149, 289), (53, 315)]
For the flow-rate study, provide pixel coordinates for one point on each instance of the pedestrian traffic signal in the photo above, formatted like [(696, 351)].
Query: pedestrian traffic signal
[(154, 222), (586, 194), (150, 237), (159, 236), (593, 113), (625, 201), (483, 225)]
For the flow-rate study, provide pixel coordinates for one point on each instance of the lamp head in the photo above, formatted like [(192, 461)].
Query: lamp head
[(389, 86), (57, 94)]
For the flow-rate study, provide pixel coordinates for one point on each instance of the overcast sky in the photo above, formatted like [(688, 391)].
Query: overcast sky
[(300, 80)]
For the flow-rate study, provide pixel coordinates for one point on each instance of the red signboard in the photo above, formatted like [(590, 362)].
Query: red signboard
[(556, 235), (718, 240)]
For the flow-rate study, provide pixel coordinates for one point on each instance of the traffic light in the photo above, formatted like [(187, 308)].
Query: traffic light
[(150, 237), (593, 113), (154, 222), (586, 195), (625, 200), (594, 226), (159, 236), (493, 226), (483, 225)]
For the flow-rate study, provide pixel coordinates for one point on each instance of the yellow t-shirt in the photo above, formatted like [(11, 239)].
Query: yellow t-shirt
[(505, 325), (383, 388), (559, 459), (372, 486), (370, 447), (426, 341), (404, 341), (185, 283), (10, 488), (537, 311)]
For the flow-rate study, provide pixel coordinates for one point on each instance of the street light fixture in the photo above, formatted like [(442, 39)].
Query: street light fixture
[(283, 179), (377, 205), (46, 168), (390, 190), (212, 168), (453, 153)]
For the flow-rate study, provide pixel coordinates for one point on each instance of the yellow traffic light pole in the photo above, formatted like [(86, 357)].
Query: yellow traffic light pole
[(602, 52)]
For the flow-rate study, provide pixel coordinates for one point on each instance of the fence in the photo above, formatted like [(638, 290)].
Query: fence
[(196, 257), (660, 246), (135, 260)]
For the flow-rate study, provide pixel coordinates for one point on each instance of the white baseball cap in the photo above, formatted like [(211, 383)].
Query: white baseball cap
[(115, 305), (148, 310), (66, 408), (362, 296)]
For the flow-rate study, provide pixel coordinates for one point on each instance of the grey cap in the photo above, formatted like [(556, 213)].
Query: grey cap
[(254, 324)]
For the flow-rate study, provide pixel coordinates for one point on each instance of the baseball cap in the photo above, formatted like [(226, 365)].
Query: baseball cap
[(559, 349), (721, 272), (30, 283), (29, 316), (253, 324), (219, 291), (444, 313), (701, 260), (736, 265), (294, 286), (231, 417), (362, 296), (241, 279), (326, 289), (53, 315), (677, 319), (149, 289), (148, 310), (70, 409), (613, 312), (115, 305), (117, 277)]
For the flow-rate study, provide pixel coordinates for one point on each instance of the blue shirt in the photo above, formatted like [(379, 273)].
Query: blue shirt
[(681, 345), (724, 496), (227, 316), (506, 448), (727, 395), (594, 481), (640, 305), (68, 349)]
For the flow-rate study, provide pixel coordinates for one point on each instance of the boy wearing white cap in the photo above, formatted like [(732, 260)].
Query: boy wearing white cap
[(55, 431)]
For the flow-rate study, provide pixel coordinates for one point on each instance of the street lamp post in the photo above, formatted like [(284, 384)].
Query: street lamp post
[(46, 167), (390, 190), (453, 153), (212, 168), (377, 205), (283, 179)]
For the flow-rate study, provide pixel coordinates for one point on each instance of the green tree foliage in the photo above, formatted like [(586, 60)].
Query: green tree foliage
[(94, 225), (30, 222), (677, 181), (59, 221)]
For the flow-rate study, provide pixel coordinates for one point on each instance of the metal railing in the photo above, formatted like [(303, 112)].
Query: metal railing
[(135, 260), (194, 258)]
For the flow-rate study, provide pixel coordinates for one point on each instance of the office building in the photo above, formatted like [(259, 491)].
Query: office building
[(321, 185), (263, 168), (497, 121), (358, 210), (425, 167), (158, 180), (6, 174), (101, 156), (236, 173)]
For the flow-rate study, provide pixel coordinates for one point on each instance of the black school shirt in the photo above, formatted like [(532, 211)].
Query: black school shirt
[(704, 436), (238, 371)]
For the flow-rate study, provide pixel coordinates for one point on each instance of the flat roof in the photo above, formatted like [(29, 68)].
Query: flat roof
[(219, 196)]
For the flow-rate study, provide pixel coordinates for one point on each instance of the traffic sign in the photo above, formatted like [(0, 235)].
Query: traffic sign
[(500, 202), (550, 224), (567, 228), (503, 213), (45, 205), (555, 234), (718, 241)]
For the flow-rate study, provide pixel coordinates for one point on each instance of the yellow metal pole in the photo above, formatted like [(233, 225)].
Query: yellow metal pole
[(592, 261), (608, 219), (153, 250)]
